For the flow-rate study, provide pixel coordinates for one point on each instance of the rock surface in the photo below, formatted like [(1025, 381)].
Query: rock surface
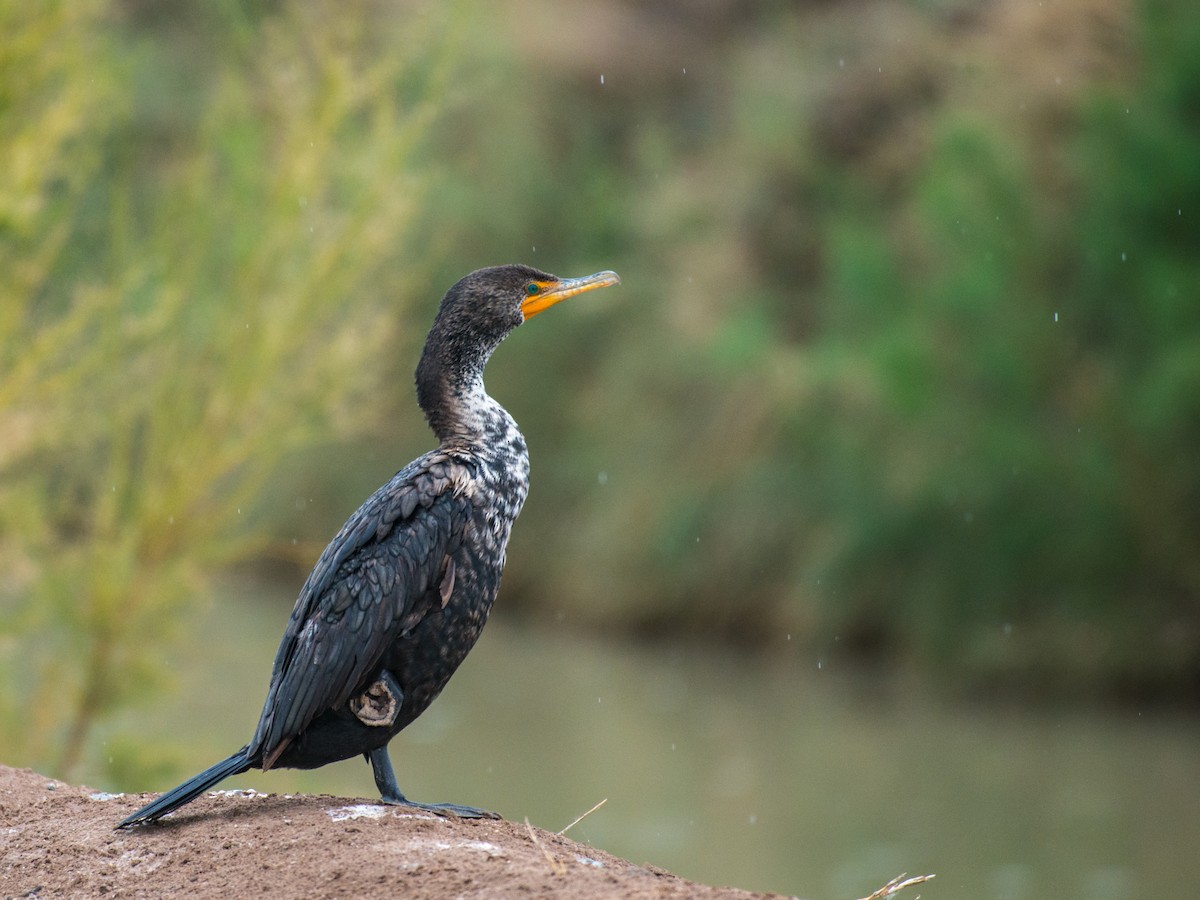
[(57, 840)]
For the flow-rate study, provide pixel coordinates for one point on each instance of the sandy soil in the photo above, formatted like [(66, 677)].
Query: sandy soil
[(57, 840)]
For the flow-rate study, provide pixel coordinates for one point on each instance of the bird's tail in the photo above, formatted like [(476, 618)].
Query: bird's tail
[(192, 788)]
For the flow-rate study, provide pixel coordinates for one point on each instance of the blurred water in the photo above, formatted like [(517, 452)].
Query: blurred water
[(789, 778)]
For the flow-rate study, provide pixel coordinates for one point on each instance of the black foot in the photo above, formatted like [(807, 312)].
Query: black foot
[(449, 810), (389, 791)]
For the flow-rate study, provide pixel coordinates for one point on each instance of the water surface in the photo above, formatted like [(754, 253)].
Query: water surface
[(786, 777)]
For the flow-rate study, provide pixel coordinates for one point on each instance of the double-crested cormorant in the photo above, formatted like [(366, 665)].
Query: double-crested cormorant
[(400, 595)]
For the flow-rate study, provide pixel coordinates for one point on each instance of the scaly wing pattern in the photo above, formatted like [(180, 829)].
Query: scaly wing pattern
[(369, 584)]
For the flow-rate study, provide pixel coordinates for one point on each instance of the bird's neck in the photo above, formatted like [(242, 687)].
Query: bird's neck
[(470, 417), (456, 405)]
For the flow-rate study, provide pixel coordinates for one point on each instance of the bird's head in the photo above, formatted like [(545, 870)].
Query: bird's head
[(492, 302), (475, 316)]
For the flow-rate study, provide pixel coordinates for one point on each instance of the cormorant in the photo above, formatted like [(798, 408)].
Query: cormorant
[(400, 595)]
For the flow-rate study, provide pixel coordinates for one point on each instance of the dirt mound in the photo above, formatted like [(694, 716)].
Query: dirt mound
[(58, 841)]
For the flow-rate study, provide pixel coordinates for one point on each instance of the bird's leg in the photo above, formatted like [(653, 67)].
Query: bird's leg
[(389, 791)]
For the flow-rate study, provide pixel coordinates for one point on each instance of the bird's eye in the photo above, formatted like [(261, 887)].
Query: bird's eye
[(532, 288)]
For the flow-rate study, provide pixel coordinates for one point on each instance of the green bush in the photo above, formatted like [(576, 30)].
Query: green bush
[(923, 389), (204, 231)]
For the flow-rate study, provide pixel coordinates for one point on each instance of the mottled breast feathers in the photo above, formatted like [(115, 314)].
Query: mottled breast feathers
[(382, 573)]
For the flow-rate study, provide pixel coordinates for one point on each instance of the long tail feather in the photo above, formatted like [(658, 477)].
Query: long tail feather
[(191, 789)]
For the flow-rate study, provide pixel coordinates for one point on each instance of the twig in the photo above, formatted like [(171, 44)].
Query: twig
[(558, 867), (584, 816), (898, 884)]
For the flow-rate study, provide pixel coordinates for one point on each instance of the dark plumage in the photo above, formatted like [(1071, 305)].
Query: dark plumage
[(402, 592)]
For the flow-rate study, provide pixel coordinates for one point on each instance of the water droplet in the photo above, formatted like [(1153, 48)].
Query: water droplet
[(1056, 317), (602, 478), (602, 78), (753, 820), (1124, 257)]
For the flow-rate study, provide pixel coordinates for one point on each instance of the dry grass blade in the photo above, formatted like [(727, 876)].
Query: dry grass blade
[(555, 865), (899, 883), (584, 816)]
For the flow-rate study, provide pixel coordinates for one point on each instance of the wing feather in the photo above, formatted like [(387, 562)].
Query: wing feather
[(365, 588)]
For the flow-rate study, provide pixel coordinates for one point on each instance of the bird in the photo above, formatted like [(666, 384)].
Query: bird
[(400, 595)]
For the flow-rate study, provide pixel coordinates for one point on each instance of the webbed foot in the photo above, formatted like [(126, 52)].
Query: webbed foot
[(389, 791), (448, 810)]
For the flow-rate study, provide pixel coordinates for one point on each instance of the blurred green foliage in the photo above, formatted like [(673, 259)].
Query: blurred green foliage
[(907, 364), (201, 231), (904, 366)]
